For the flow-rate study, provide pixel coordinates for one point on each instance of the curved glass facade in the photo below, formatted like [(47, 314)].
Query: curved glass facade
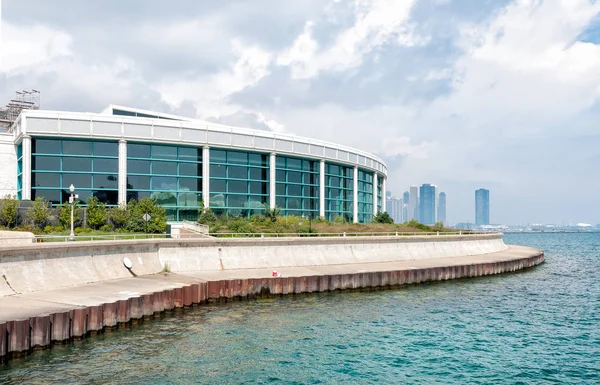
[(339, 192), (365, 196), (170, 174), (239, 182), (297, 189), (91, 166)]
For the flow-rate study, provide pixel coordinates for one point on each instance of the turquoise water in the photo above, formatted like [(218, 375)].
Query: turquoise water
[(539, 326)]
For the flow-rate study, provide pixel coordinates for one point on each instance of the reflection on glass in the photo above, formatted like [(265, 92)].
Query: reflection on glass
[(45, 146), (77, 164)]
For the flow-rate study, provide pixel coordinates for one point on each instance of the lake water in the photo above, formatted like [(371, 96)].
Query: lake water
[(538, 326)]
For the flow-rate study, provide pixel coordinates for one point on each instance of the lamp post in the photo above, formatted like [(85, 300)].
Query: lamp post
[(72, 202)]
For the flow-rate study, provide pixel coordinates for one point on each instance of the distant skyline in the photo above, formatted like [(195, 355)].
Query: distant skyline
[(501, 94)]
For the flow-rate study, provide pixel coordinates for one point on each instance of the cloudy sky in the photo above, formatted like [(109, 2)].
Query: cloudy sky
[(460, 93)]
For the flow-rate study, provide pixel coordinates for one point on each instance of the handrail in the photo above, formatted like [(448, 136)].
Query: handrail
[(137, 236)]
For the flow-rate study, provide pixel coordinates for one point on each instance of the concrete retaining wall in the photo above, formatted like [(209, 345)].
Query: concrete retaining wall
[(20, 337), (50, 266)]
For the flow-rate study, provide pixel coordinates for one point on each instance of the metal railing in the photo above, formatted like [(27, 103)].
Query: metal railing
[(137, 236)]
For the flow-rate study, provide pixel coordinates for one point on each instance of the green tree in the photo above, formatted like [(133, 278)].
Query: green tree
[(9, 211), (96, 213), (137, 209), (383, 217), (439, 225), (64, 214), (271, 213), (119, 216), (39, 212), (206, 217)]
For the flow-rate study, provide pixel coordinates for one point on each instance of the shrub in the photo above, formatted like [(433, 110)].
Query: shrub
[(96, 213), (39, 212), (9, 211), (64, 214), (383, 217), (107, 228), (137, 209), (48, 229), (119, 216), (339, 219), (240, 225), (271, 213), (207, 216)]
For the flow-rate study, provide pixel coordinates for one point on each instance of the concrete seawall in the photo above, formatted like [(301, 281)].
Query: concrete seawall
[(54, 293)]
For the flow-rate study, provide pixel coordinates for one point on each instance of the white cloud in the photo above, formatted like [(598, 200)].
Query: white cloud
[(376, 23), (27, 46)]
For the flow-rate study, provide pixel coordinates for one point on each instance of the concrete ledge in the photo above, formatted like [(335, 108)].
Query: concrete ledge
[(39, 320)]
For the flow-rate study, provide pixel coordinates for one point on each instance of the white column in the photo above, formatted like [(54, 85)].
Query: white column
[(322, 189), (374, 193), (355, 196), (26, 172), (384, 197), (206, 176), (272, 180), (122, 178)]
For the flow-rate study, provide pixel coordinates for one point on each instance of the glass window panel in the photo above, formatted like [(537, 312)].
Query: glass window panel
[(165, 198), (258, 188), (106, 149), (238, 172), (138, 166), (136, 182), (46, 146), (234, 157), (190, 169), (237, 186), (76, 147), (280, 161), (258, 159), (190, 200), (137, 195), (294, 203), (45, 179), (217, 200), (52, 196), (280, 202), (349, 172), (309, 204), (259, 173), (280, 189), (313, 178), (279, 175), (333, 169), (294, 164), (166, 168), (190, 184), (334, 181), (77, 180), (84, 195), (46, 163), (218, 185), (334, 193), (77, 164), (294, 177), (190, 153), (218, 156), (138, 150), (218, 170), (294, 190), (106, 181), (237, 201), (164, 152), (164, 183), (106, 165), (108, 197)]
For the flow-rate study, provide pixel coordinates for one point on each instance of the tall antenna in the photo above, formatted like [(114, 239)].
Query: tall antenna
[(24, 100)]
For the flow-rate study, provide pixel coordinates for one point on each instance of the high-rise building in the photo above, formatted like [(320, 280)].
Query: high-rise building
[(482, 207), (413, 204), (441, 217), (394, 208), (427, 204)]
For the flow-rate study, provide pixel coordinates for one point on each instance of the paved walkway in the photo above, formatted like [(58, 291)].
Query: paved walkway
[(24, 306)]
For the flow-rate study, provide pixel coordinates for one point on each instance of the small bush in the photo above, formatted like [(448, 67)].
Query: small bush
[(48, 229), (9, 211), (39, 213), (107, 228), (96, 213), (206, 216)]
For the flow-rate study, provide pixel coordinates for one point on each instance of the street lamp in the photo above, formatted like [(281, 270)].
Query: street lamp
[(72, 202)]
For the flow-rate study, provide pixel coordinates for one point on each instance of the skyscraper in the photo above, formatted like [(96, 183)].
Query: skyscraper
[(427, 204), (482, 207), (406, 200), (413, 203), (394, 208), (441, 217)]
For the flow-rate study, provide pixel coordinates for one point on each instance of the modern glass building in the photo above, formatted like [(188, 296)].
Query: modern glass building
[(482, 207), (125, 153), (427, 204)]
